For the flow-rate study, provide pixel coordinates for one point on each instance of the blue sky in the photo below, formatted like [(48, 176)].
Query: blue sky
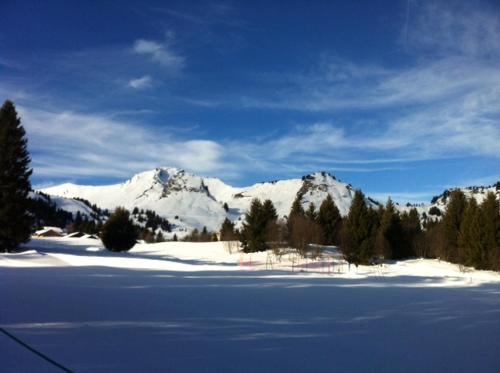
[(395, 97)]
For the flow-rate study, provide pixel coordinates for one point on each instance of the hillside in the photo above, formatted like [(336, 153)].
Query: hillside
[(190, 201)]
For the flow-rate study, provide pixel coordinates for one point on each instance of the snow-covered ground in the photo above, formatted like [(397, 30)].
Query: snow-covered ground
[(197, 307)]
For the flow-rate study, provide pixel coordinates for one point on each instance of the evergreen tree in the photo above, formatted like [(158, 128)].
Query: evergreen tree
[(15, 222), (389, 240), (330, 220), (226, 207), (119, 233), (297, 209), (159, 237), (311, 212), (194, 236), (452, 220), (269, 213), (358, 231), (227, 232), (205, 236), (254, 228), (295, 217), (471, 250), (490, 213), (412, 231), (175, 238)]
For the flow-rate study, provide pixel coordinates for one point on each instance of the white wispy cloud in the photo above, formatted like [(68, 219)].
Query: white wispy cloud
[(466, 28), (76, 145), (446, 104), (161, 53), (141, 83)]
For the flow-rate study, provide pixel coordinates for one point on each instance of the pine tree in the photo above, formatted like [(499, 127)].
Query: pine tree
[(119, 233), (259, 223), (269, 213), (412, 231), (311, 212), (490, 212), (471, 250), (15, 222), (227, 232), (358, 231), (295, 217), (205, 236), (226, 207), (389, 240), (254, 228), (330, 220), (297, 208), (194, 236), (452, 220)]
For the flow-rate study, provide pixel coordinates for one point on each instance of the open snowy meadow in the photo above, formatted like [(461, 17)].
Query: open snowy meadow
[(197, 307)]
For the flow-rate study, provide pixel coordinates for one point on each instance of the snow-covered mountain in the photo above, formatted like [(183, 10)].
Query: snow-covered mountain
[(437, 206), (188, 200), (477, 192)]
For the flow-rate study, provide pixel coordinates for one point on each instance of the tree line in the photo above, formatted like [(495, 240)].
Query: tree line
[(467, 233)]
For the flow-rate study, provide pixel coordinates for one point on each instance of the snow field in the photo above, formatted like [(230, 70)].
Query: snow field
[(196, 307)]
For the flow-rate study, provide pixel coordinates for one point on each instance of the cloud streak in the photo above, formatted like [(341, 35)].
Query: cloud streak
[(160, 53), (76, 145), (141, 83)]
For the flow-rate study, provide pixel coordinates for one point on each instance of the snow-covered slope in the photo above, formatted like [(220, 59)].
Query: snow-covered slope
[(167, 191), (198, 202), (190, 201), (439, 203), (67, 204), (477, 192)]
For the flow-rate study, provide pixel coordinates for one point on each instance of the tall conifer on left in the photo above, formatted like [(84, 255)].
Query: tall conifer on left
[(15, 221)]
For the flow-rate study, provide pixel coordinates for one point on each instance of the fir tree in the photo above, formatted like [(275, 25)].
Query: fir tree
[(297, 209), (490, 213), (330, 220), (205, 236), (254, 228), (358, 231), (15, 222), (295, 218), (412, 231), (471, 250), (389, 240), (119, 233), (452, 220), (311, 212), (269, 213), (194, 236), (227, 232)]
